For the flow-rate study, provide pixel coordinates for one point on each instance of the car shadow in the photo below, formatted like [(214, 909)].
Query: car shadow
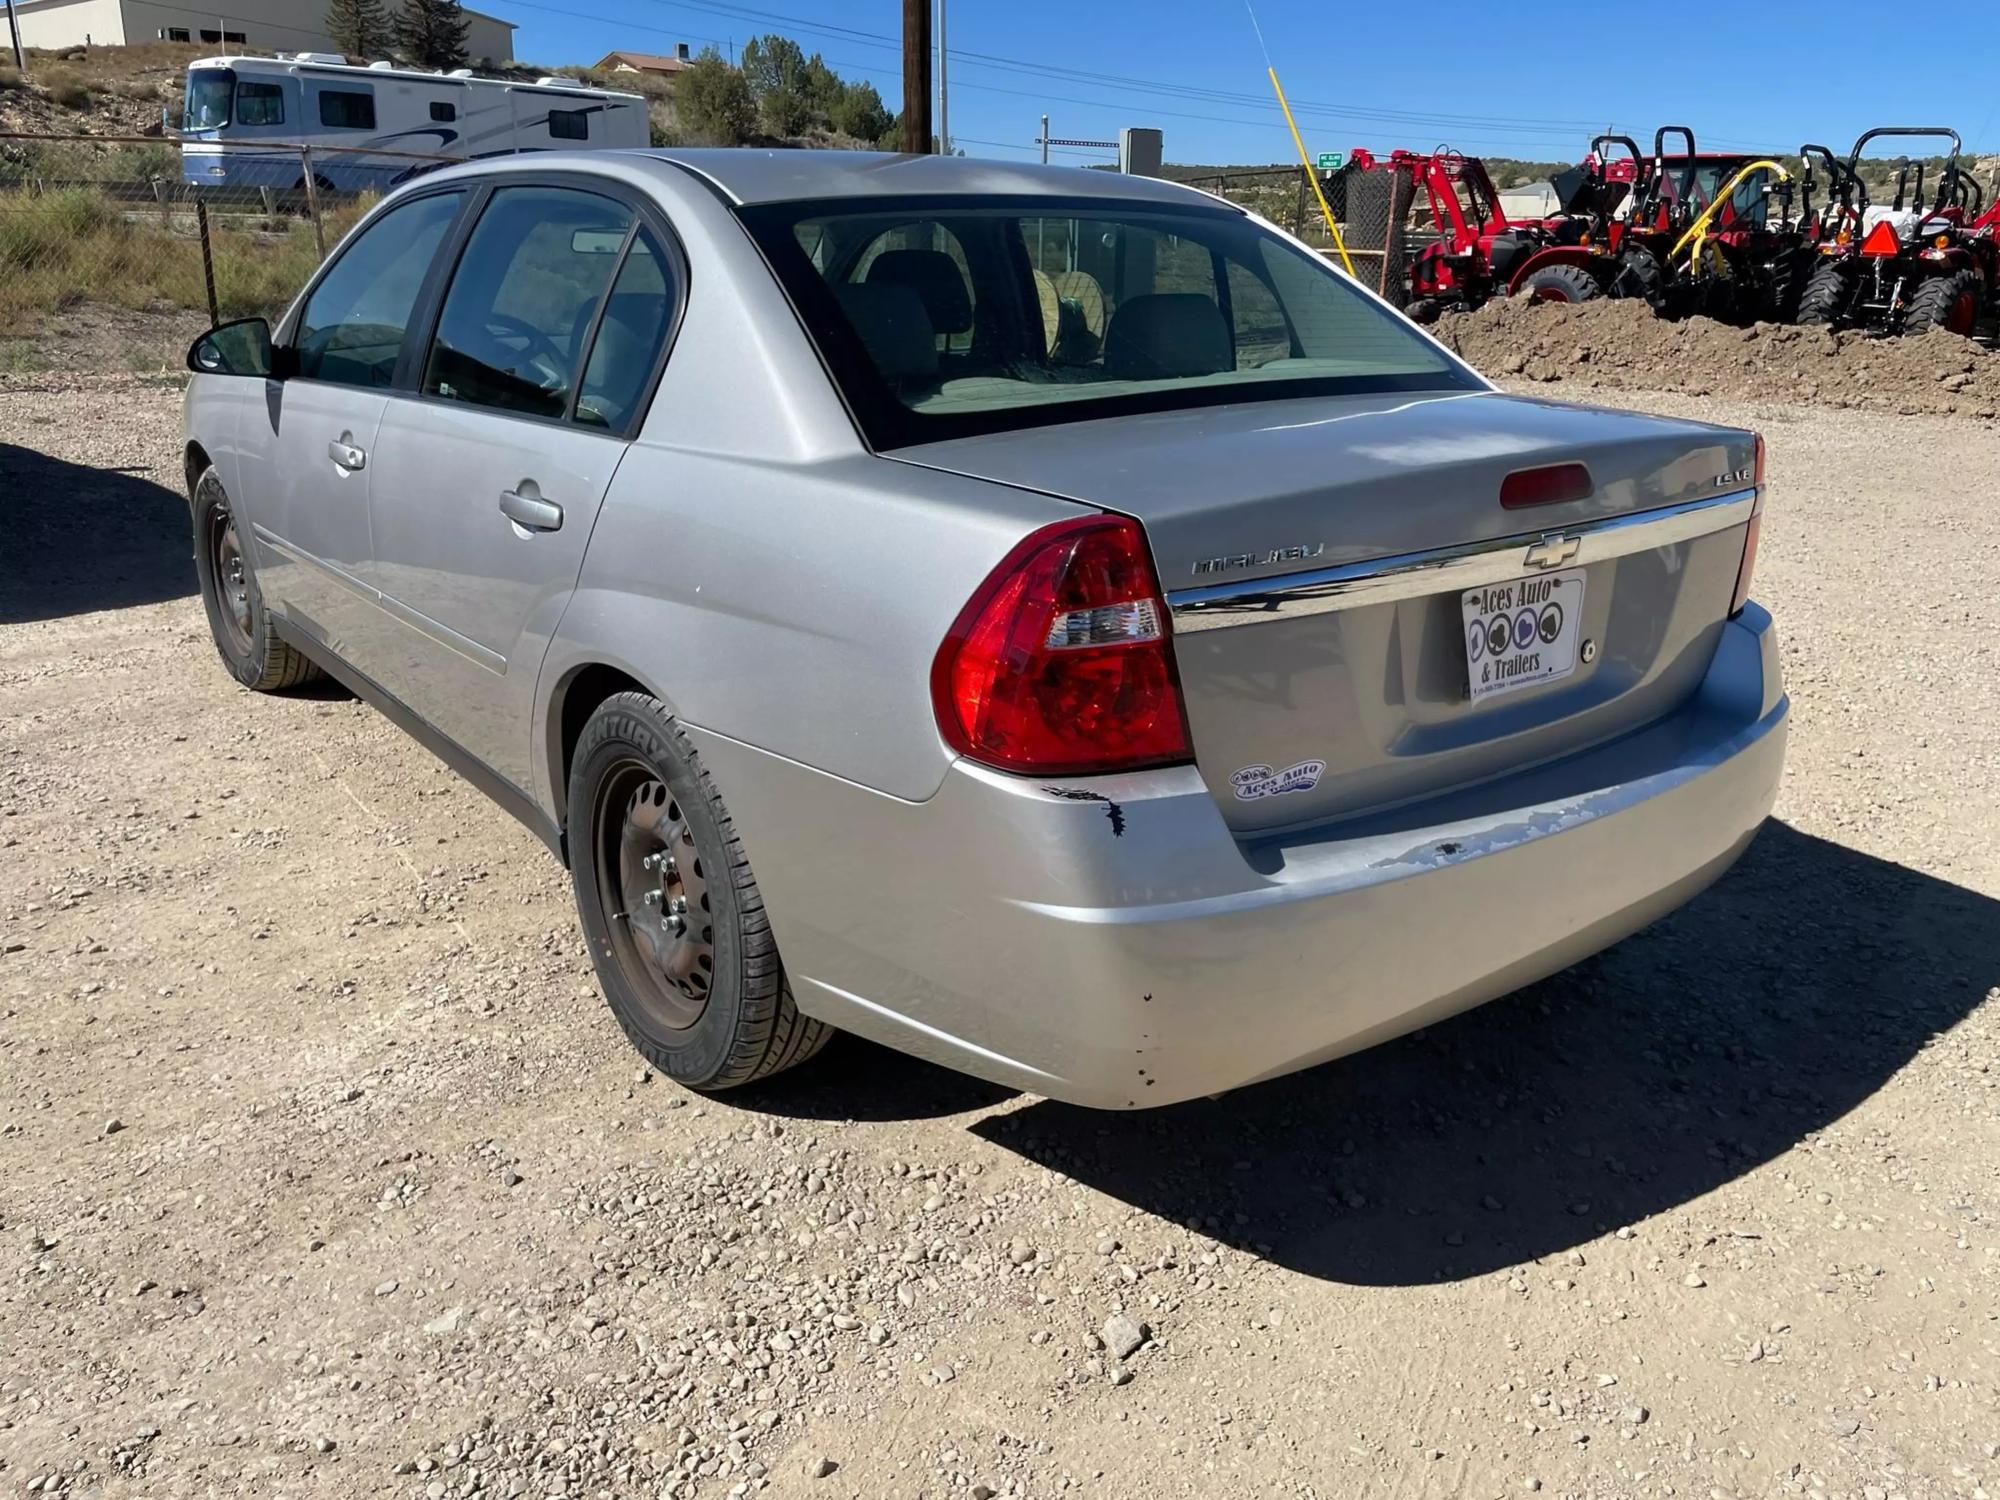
[(82, 539), (857, 1080), (1653, 1073)]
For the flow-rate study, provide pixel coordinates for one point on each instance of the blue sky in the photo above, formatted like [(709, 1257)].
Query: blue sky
[(1487, 81)]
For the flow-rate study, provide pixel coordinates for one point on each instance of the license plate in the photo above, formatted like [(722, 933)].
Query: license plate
[(1521, 633)]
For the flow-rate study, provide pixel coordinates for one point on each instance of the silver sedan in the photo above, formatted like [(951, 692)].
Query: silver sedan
[(1046, 621)]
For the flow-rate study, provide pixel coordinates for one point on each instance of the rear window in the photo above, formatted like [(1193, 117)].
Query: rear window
[(943, 318)]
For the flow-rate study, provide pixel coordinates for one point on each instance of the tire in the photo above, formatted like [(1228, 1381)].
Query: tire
[(1949, 303), (1825, 299), (1423, 310), (706, 1003), (1641, 272), (1790, 275), (237, 619), (1560, 284)]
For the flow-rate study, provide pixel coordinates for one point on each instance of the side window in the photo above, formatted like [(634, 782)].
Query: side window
[(523, 298), (347, 109), (635, 322), (569, 124), (1259, 331), (260, 104), (351, 330), (444, 112)]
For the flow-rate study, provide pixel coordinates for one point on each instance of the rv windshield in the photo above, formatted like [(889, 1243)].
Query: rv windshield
[(208, 95)]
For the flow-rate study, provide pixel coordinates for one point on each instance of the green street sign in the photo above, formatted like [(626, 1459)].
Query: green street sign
[(1329, 161)]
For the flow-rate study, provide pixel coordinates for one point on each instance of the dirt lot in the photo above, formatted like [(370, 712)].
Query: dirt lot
[(324, 1171)]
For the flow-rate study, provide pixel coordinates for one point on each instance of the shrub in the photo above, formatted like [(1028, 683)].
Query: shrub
[(714, 103)]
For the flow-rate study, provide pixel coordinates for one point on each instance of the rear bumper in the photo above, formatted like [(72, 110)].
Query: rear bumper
[(1111, 943)]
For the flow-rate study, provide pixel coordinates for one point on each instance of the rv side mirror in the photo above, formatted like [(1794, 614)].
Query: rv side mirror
[(239, 348)]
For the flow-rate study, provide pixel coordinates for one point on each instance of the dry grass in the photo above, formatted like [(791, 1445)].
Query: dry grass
[(62, 248)]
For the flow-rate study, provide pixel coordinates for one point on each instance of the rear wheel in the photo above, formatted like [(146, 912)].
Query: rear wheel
[(1826, 297), (1949, 302), (250, 648), (1560, 284), (673, 916)]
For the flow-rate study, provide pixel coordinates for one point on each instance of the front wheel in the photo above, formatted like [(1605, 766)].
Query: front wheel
[(676, 925), (254, 653), (1560, 284)]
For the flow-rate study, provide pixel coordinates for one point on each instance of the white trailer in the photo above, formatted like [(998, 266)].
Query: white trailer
[(239, 110)]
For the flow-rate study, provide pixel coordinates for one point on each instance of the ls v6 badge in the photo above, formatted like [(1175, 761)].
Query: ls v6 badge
[(1259, 559)]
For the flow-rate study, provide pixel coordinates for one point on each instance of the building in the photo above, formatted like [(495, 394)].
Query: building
[(651, 63), (277, 26)]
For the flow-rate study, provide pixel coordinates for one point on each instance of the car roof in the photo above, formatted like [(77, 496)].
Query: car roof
[(777, 176)]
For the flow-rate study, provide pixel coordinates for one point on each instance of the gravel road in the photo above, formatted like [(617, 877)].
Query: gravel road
[(325, 1172)]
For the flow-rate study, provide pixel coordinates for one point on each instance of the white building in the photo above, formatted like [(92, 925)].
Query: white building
[(277, 26)]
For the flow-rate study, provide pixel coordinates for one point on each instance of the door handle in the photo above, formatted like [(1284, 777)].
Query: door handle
[(531, 511), (343, 452)]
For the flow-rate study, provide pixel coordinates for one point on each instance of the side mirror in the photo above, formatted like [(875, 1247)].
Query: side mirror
[(239, 348)]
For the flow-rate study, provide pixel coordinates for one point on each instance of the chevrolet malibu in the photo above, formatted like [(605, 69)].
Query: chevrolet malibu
[(1046, 621)]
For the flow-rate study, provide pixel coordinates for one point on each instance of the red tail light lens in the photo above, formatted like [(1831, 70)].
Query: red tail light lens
[(1061, 664), (1748, 566)]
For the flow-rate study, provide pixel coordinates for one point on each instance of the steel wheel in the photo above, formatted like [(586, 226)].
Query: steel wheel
[(232, 581), (662, 935)]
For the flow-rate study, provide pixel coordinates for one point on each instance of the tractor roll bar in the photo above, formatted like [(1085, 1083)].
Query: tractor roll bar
[(1660, 158), (1854, 156)]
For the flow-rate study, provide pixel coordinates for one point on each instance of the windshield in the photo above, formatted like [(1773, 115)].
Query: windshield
[(208, 95), (944, 318)]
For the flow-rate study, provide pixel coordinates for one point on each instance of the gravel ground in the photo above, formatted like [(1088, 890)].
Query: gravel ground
[(325, 1172)]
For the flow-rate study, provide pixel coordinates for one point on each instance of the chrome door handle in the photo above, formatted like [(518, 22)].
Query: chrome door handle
[(346, 455), (531, 511)]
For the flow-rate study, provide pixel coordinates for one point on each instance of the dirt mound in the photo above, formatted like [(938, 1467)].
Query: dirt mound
[(1620, 345)]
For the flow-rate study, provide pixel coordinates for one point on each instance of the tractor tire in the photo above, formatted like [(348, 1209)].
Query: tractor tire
[(1826, 297), (1948, 303), (1790, 275), (1423, 310), (1640, 275), (1560, 284)]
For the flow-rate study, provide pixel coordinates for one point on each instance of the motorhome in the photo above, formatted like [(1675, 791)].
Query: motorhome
[(373, 126)]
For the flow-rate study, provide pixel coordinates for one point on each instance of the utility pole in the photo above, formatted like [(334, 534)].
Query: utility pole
[(1045, 140), (917, 76), (14, 26), (944, 107)]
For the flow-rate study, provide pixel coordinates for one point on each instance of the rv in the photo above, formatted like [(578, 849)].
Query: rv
[(372, 127)]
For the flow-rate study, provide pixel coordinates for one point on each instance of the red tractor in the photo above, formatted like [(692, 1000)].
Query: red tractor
[(1690, 232), (1476, 246), (1932, 264)]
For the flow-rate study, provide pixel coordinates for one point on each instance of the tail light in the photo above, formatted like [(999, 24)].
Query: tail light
[(1749, 564), (1060, 664), (1545, 486)]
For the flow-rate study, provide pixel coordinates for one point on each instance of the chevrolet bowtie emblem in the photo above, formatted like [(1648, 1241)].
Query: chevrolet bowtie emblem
[(1553, 550)]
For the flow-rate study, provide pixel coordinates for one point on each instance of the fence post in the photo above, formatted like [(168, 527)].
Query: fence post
[(312, 199), (207, 261)]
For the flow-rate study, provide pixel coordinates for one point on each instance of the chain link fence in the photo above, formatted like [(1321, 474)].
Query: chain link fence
[(115, 253), (1376, 198), (1284, 195)]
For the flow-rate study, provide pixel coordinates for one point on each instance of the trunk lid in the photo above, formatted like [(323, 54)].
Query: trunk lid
[(1325, 561)]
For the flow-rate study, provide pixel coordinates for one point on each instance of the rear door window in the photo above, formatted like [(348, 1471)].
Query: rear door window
[(525, 298), (351, 330)]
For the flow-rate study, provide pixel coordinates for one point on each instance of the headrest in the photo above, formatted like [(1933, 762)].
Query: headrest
[(893, 327), (1167, 335), (933, 276)]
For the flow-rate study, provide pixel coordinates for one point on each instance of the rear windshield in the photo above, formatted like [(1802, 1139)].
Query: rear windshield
[(950, 317)]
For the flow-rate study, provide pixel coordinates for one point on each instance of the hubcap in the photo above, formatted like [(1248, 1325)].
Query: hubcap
[(662, 930), (232, 579)]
